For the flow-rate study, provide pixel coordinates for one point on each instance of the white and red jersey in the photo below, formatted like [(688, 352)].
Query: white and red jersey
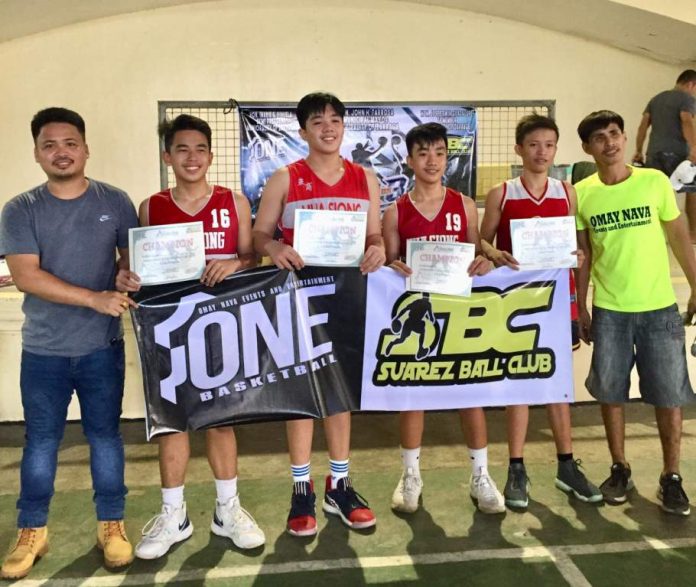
[(307, 191), (519, 203), (219, 218), (448, 225)]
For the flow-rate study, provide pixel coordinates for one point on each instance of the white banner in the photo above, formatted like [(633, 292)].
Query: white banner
[(509, 343)]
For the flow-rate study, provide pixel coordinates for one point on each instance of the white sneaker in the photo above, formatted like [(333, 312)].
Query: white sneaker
[(407, 492), (232, 521), (485, 493), (167, 528)]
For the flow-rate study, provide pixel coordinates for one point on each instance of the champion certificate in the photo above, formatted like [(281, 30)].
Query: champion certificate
[(439, 267), (167, 253), (544, 243), (326, 238)]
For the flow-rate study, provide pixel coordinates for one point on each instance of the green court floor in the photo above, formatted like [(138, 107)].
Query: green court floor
[(557, 541)]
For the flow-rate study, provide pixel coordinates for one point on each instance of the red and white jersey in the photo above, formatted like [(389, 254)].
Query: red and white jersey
[(219, 218), (448, 225), (518, 203), (307, 191)]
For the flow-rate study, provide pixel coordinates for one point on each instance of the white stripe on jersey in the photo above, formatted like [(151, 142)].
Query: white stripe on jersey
[(220, 256), (515, 190)]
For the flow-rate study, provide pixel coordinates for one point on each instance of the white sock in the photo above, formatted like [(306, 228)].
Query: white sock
[(410, 458), (479, 460), (173, 496), (226, 489)]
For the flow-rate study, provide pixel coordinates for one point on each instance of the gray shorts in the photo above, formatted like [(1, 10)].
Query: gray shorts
[(665, 162), (654, 342)]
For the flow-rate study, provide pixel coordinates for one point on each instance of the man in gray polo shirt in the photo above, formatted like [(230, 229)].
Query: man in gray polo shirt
[(60, 240), (673, 135)]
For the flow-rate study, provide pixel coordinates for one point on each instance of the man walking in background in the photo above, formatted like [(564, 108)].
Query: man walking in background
[(673, 135)]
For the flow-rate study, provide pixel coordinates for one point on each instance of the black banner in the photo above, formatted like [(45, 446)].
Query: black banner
[(263, 345)]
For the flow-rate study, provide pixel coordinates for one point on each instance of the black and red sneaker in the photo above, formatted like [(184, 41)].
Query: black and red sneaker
[(302, 519), (348, 504)]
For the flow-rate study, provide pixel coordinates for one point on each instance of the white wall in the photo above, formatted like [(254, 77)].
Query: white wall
[(114, 70)]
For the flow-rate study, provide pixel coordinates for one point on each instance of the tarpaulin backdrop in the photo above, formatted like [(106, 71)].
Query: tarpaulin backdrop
[(270, 345), (375, 137)]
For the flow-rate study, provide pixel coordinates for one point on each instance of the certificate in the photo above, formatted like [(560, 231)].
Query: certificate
[(5, 277), (439, 267), (544, 243), (330, 239), (167, 253)]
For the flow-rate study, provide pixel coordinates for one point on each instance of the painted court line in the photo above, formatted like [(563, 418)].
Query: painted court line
[(569, 570), (559, 555)]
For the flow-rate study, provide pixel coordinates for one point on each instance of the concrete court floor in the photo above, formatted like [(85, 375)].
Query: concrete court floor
[(448, 537)]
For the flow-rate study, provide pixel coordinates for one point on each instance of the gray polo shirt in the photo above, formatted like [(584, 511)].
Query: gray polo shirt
[(76, 241), (666, 135)]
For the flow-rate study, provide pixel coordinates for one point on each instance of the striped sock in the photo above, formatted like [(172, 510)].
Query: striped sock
[(339, 470), (300, 473)]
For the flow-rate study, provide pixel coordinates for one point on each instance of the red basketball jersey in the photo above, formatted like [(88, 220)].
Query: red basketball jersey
[(219, 218), (306, 190), (518, 202), (448, 225)]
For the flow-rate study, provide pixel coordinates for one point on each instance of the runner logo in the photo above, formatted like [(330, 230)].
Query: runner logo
[(415, 316)]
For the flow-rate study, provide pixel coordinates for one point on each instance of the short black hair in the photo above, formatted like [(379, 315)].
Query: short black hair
[(168, 128), (316, 103), (687, 76), (530, 123), (425, 135), (597, 121), (56, 114)]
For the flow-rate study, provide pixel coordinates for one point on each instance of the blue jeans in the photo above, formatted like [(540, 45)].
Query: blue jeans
[(47, 384)]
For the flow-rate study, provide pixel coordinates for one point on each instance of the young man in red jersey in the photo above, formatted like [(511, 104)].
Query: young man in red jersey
[(435, 213), (226, 219), (531, 195), (326, 177)]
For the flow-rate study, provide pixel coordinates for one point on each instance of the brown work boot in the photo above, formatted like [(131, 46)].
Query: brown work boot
[(32, 543), (112, 539)]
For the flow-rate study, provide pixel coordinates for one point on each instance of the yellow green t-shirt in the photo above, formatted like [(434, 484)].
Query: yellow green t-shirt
[(630, 263)]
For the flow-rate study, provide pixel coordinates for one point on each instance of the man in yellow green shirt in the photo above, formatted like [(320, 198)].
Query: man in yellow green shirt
[(622, 211)]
